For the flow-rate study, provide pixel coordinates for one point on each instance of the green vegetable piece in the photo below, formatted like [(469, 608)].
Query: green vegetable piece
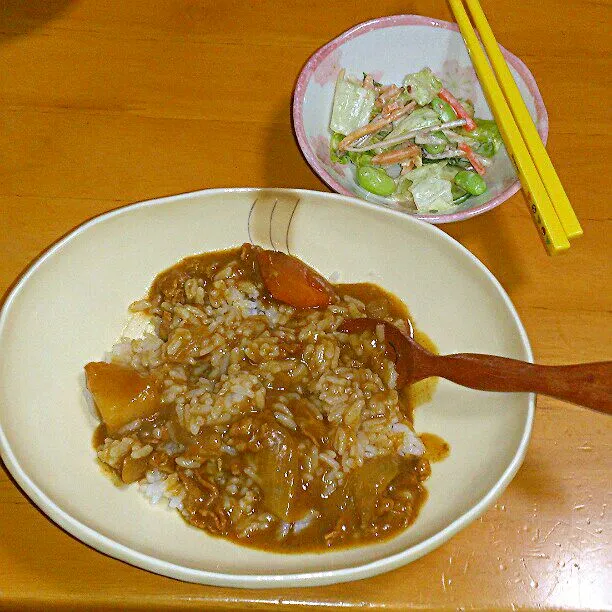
[(432, 194), (457, 192), (462, 198), (403, 97), (427, 171), (375, 180), (416, 120), (468, 105), (436, 139), (352, 105), (361, 159), (375, 112), (403, 193), (439, 134), (487, 134), (424, 86), (444, 109), (486, 129), (487, 149), (448, 172), (434, 149), (458, 162), (470, 182), (334, 154), (459, 195)]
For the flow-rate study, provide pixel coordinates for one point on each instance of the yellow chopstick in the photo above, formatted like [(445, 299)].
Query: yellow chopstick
[(542, 211), (547, 172)]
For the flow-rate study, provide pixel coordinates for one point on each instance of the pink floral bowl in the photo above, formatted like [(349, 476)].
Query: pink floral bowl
[(389, 48)]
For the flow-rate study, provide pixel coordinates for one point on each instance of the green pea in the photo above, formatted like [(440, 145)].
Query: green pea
[(470, 182), (444, 109), (434, 149), (375, 180)]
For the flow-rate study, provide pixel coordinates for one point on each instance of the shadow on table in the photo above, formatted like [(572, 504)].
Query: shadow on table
[(19, 17)]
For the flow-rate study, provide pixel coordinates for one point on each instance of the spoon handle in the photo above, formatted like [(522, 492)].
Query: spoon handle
[(587, 384)]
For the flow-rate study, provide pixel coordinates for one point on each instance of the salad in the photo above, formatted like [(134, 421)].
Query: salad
[(414, 143)]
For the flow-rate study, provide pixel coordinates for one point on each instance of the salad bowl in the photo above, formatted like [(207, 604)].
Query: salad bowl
[(389, 48)]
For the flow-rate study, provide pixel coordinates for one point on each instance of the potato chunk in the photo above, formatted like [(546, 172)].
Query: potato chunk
[(121, 394)]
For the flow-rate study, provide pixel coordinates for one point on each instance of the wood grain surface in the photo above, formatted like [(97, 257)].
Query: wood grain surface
[(106, 103)]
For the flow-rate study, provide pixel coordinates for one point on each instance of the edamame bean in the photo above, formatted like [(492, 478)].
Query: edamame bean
[(470, 182), (335, 140), (375, 180), (444, 109)]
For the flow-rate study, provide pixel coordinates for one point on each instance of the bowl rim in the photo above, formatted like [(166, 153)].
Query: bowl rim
[(393, 21), (107, 545)]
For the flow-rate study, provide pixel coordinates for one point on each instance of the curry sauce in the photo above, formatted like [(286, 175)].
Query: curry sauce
[(288, 465)]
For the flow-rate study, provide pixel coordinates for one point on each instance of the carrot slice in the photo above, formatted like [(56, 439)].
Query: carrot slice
[(291, 281), (447, 96), (469, 153)]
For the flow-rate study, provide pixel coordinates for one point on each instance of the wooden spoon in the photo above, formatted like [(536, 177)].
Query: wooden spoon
[(587, 384)]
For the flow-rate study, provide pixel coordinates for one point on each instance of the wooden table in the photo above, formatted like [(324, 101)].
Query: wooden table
[(105, 103)]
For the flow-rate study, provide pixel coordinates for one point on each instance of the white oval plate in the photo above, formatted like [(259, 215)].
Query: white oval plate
[(71, 304)]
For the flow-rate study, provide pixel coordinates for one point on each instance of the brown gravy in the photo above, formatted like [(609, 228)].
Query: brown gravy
[(436, 449)]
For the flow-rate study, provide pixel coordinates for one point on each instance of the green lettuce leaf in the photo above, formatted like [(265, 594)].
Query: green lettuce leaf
[(352, 107), (432, 194), (431, 186), (418, 119), (424, 86)]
